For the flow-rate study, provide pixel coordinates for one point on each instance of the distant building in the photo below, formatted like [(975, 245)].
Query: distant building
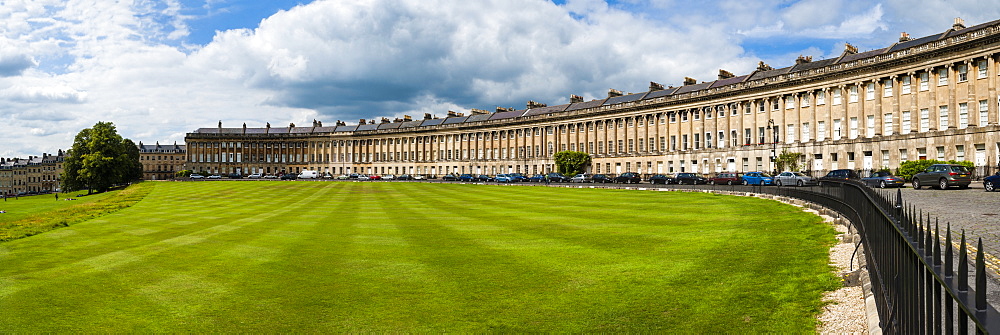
[(933, 97), (161, 162), (31, 175)]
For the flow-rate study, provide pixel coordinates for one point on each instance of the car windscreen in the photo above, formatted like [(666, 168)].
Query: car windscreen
[(960, 168)]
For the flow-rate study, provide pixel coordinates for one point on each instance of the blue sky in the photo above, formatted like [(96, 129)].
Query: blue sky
[(161, 68)]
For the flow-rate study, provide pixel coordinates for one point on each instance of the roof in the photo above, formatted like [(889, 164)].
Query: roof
[(585, 104), (624, 98), (364, 127), (478, 117), (431, 122), (506, 115), (729, 81), (546, 110), (692, 88), (453, 120)]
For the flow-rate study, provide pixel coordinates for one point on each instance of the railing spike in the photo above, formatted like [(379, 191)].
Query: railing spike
[(963, 266), (948, 262), (937, 243), (980, 278)]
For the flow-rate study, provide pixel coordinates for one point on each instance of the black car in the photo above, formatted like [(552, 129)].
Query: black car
[(483, 177), (557, 177), (450, 177), (538, 178), (520, 177), (661, 179), (466, 177), (992, 182), (628, 178), (404, 177), (690, 178), (602, 178), (840, 175), (289, 176)]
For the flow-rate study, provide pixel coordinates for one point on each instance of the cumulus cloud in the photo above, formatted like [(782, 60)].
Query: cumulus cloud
[(67, 64)]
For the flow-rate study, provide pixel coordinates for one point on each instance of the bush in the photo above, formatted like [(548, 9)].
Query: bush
[(907, 169)]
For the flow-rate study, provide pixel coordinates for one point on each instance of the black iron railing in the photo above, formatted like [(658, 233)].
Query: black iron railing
[(914, 279)]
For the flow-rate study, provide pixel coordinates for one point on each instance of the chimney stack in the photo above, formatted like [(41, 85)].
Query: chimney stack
[(575, 99), (407, 118), (763, 67), (427, 116), (850, 49), (614, 93), (723, 74), (959, 24), (903, 37), (533, 104), (689, 81), (475, 111), (803, 60), (385, 120), (452, 114), (655, 87)]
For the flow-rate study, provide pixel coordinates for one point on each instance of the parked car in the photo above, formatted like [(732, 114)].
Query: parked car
[(505, 178), (308, 174), (214, 176), (943, 176), (269, 176), (363, 177), (389, 177), (289, 176), (883, 179), (343, 177), (727, 178), (557, 177), (661, 179), (483, 178), (520, 177), (450, 177), (196, 176), (757, 178), (992, 182), (327, 175), (254, 176), (234, 176), (419, 177), (690, 178), (466, 177), (374, 177), (840, 175), (602, 178), (582, 178), (538, 178), (789, 178), (628, 178), (404, 177)]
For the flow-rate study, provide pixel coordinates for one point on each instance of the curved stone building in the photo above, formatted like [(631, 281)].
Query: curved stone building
[(933, 97)]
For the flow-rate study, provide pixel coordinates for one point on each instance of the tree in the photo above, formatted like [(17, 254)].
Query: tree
[(99, 159), (789, 160), (571, 163)]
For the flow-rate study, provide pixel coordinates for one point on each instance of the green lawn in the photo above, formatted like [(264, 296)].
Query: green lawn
[(414, 257)]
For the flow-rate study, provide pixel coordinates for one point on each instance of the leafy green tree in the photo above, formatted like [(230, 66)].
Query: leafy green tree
[(99, 159), (183, 173), (789, 160), (571, 162)]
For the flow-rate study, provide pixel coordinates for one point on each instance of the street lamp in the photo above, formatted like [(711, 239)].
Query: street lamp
[(774, 144)]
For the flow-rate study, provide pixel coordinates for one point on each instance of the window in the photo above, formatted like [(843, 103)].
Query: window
[(806, 132), (982, 69), (805, 100), (943, 77), (722, 139), (697, 114), (760, 106), (775, 105), (903, 155), (631, 145), (673, 117), (925, 120), (790, 102), (924, 81), (853, 128), (652, 144), (820, 130), (733, 136), (870, 91), (697, 141), (887, 88), (748, 136), (708, 113), (943, 114), (761, 136), (837, 129), (906, 85), (821, 98), (673, 142), (853, 94), (621, 145), (684, 142), (940, 153), (905, 123), (836, 96), (959, 152), (684, 116), (963, 115), (984, 113), (963, 73), (790, 137), (600, 147), (870, 129), (663, 143), (887, 124)]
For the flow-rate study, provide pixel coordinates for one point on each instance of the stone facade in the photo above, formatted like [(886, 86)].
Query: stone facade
[(32, 174), (160, 162), (928, 98)]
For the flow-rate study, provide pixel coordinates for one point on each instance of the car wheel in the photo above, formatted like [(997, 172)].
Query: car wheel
[(711, 182), (800, 183), (729, 182), (943, 184), (776, 182), (988, 185), (881, 184), (745, 182), (916, 184)]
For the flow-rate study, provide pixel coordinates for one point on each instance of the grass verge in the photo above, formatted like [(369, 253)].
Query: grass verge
[(413, 257), (33, 215)]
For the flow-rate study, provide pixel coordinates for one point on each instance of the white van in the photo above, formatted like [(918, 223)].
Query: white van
[(308, 174)]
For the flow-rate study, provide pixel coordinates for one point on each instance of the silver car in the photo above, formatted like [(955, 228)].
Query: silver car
[(789, 178)]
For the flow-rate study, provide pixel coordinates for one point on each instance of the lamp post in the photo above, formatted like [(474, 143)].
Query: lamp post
[(774, 144)]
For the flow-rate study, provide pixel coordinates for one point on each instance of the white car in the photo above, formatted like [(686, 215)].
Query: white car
[(308, 174), (363, 177), (419, 177), (254, 176), (389, 177)]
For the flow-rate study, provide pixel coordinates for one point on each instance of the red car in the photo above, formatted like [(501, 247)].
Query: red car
[(374, 177), (725, 178)]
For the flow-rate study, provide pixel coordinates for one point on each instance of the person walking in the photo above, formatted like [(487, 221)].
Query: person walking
[(57, 196)]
